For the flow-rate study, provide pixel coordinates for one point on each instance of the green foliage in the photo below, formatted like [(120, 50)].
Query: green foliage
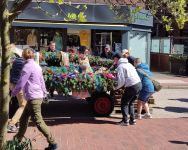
[(178, 58), (15, 144)]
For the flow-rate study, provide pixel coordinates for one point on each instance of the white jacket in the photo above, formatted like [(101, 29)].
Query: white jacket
[(126, 74)]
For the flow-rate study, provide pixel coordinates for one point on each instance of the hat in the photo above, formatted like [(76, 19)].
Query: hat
[(107, 46), (124, 51), (117, 55)]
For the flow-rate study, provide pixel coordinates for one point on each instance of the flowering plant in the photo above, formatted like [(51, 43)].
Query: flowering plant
[(65, 80)]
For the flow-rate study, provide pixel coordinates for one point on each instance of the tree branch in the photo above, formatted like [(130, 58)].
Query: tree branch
[(17, 8)]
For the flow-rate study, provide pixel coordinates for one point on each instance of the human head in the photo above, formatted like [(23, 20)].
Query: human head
[(107, 48), (137, 61), (28, 53), (116, 57), (125, 53), (81, 51), (52, 46)]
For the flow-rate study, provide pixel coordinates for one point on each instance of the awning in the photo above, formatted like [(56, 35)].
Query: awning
[(45, 24), (98, 17)]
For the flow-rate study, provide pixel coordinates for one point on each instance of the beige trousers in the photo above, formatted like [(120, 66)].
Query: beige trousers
[(22, 102)]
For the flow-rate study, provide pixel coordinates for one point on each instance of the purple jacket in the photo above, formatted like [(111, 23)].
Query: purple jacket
[(31, 81)]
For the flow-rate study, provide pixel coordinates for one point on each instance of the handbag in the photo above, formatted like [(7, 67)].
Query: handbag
[(156, 84)]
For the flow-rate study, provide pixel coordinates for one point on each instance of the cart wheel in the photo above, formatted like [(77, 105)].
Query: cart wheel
[(103, 105)]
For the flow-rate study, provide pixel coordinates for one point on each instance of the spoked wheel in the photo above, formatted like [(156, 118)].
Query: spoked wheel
[(103, 105)]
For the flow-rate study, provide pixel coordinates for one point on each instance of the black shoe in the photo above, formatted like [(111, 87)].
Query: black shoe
[(123, 123), (51, 147), (132, 122)]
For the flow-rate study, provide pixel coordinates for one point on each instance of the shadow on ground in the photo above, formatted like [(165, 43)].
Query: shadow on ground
[(174, 109), (180, 99), (179, 142), (70, 111)]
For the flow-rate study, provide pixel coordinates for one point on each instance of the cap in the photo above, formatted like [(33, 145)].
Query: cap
[(107, 46), (117, 55), (124, 51)]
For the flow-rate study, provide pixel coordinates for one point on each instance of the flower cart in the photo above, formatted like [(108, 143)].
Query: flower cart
[(96, 88)]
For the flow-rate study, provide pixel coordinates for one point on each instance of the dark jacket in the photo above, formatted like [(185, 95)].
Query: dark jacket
[(147, 84), (16, 70)]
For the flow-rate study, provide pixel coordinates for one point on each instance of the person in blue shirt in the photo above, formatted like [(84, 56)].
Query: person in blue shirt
[(147, 88)]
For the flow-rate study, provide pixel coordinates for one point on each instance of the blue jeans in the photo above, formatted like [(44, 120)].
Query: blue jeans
[(127, 100)]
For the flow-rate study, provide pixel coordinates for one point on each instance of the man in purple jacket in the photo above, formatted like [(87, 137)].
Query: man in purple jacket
[(34, 89)]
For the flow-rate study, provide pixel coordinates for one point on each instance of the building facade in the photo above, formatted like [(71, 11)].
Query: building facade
[(102, 27)]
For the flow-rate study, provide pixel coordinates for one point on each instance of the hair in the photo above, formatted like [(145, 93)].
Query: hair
[(117, 55), (28, 53), (138, 60), (51, 42), (82, 49)]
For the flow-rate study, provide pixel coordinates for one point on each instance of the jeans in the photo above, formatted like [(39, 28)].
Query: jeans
[(127, 100), (33, 110)]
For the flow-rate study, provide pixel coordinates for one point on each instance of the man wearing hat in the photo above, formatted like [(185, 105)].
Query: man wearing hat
[(128, 78), (126, 54), (107, 53)]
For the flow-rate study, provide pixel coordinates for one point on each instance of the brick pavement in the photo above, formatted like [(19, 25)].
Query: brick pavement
[(103, 134), (75, 127)]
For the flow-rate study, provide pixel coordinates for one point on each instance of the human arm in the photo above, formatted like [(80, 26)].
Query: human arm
[(120, 78)]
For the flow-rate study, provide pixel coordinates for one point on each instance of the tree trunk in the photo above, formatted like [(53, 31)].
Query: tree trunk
[(5, 76)]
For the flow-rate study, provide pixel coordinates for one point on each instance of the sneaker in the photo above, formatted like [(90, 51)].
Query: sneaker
[(139, 116), (132, 122), (123, 123), (147, 116), (51, 147), (11, 128)]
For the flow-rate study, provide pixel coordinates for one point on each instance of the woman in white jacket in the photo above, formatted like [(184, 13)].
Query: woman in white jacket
[(128, 77)]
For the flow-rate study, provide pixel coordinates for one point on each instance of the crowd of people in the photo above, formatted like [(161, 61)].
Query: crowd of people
[(27, 84)]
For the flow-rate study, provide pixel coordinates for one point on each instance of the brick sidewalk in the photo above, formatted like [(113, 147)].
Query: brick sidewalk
[(103, 134)]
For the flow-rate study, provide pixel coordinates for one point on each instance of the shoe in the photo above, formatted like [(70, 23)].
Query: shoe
[(132, 122), (51, 147), (139, 116), (11, 128), (123, 123), (147, 116)]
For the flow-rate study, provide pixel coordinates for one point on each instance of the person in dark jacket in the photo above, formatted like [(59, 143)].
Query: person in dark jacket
[(14, 77), (107, 53), (147, 88)]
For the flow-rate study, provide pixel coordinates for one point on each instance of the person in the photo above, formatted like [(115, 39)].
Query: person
[(52, 47), (128, 78), (64, 57), (147, 88), (126, 54), (58, 41), (32, 83), (116, 57), (14, 77), (107, 53), (32, 39), (84, 61)]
